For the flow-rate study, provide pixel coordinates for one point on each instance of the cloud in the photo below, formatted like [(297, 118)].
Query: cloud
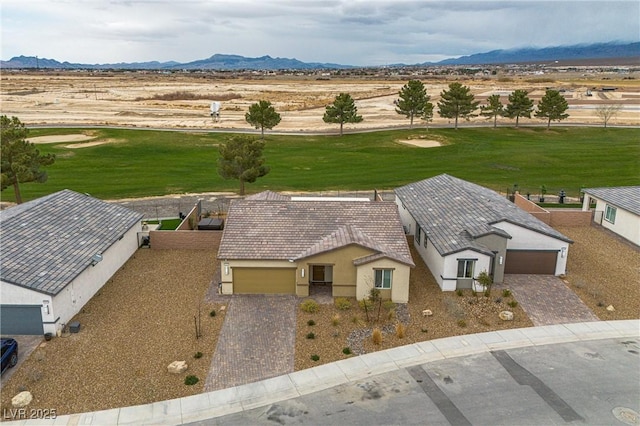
[(357, 32)]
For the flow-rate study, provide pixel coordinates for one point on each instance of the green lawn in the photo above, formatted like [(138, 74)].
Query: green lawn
[(144, 163)]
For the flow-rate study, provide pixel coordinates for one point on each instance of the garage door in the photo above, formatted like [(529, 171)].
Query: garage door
[(20, 319), (264, 280), (540, 262)]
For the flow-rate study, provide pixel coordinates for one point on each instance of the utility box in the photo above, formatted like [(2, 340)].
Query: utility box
[(74, 326)]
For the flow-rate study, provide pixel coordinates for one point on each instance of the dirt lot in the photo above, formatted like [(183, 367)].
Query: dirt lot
[(182, 100)]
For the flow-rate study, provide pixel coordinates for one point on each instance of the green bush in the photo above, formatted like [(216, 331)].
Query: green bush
[(342, 303), (459, 292), (462, 323), (311, 336), (365, 302), (212, 313), (513, 303), (506, 292), (311, 322), (315, 358), (191, 380), (346, 351), (197, 355), (310, 306), (388, 305)]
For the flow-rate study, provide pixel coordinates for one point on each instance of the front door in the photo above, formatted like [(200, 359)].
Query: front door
[(321, 274)]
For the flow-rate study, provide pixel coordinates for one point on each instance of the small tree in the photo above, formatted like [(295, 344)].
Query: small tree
[(342, 110), (493, 109), (20, 160), (412, 101), (241, 158), (607, 112), (552, 106), (456, 102), (427, 113), (520, 105), (262, 115), (485, 280)]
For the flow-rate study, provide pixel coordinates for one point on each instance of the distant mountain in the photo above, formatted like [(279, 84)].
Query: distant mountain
[(236, 62), (561, 53)]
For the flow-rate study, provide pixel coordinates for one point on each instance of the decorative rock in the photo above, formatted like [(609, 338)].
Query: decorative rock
[(427, 313), (506, 315), (22, 399), (177, 367), (610, 308)]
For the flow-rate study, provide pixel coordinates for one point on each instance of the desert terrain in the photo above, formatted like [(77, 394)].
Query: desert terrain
[(182, 100)]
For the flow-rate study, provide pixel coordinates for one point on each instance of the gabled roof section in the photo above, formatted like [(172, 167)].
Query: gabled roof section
[(292, 230), (624, 197), (268, 195), (48, 242), (454, 212)]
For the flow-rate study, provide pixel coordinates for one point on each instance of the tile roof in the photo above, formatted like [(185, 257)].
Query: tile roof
[(293, 230), (625, 197), (268, 195), (454, 212), (49, 241)]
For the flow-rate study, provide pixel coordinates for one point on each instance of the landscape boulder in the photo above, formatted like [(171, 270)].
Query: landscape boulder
[(427, 313), (506, 315), (177, 367), (22, 399), (610, 308)]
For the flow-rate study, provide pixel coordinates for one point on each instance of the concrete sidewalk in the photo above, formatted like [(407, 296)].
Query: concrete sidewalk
[(246, 397)]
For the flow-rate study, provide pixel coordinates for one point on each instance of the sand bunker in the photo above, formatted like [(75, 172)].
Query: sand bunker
[(422, 143), (60, 138)]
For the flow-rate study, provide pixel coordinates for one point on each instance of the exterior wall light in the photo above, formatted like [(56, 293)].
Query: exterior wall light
[(226, 268)]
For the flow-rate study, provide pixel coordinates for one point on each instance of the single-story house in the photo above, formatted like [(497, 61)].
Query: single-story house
[(617, 209), (461, 229), (57, 252), (275, 244)]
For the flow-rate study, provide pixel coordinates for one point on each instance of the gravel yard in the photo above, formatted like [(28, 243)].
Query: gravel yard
[(139, 322)]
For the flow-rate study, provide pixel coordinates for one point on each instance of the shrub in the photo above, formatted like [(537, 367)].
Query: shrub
[(506, 292), (487, 293), (498, 299), (391, 315), (197, 355), (389, 305), (346, 351), (376, 336), (315, 357), (401, 330), (459, 292), (342, 303), (311, 336), (513, 303), (335, 320), (365, 302), (191, 380), (424, 330), (462, 323), (311, 322), (212, 313), (356, 320), (310, 306)]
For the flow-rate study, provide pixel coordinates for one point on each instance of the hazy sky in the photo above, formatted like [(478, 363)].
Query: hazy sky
[(350, 32)]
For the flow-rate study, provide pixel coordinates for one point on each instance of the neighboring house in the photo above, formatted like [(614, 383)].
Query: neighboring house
[(461, 229), (274, 244), (617, 209), (57, 252)]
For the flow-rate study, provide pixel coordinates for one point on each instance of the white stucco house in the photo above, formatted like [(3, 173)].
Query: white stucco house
[(273, 243), (56, 253), (617, 209), (461, 229)]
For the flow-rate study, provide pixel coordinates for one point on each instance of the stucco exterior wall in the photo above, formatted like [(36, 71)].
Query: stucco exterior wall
[(405, 217), (626, 224), (11, 294), (450, 267), (399, 280), (496, 243), (344, 271)]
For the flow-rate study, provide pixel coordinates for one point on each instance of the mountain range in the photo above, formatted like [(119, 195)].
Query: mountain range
[(599, 51)]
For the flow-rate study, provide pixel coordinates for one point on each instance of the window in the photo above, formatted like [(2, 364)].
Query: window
[(610, 214), (465, 268), (418, 233), (383, 278)]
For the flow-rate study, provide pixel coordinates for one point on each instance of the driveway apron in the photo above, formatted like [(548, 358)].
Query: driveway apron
[(257, 341), (547, 300)]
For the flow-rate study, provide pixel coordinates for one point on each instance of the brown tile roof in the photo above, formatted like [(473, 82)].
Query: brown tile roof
[(268, 195), (292, 230)]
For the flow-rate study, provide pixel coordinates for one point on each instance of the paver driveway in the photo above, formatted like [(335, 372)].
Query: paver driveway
[(547, 300), (257, 341)]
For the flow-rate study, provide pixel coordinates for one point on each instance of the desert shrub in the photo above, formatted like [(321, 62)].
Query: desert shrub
[(498, 300), (335, 320), (342, 303), (424, 330), (391, 315), (462, 323), (365, 302), (311, 336), (356, 320), (310, 306), (513, 303), (506, 292), (346, 351), (388, 305), (376, 336), (197, 355), (401, 330), (459, 292), (315, 357), (191, 380), (311, 322), (212, 313), (487, 293)]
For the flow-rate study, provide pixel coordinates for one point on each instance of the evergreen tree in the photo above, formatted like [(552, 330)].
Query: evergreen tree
[(493, 109), (20, 160), (427, 113), (262, 115), (241, 158), (520, 105), (552, 106), (342, 110), (413, 98), (456, 102)]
